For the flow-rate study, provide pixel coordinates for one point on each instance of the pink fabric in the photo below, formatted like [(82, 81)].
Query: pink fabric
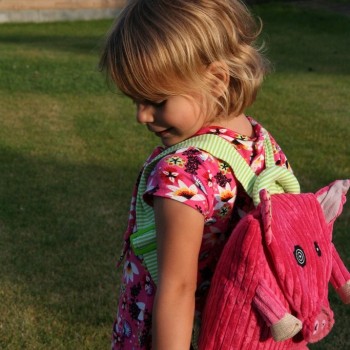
[(278, 260), (208, 185)]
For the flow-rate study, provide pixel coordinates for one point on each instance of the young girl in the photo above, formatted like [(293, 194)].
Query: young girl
[(192, 68)]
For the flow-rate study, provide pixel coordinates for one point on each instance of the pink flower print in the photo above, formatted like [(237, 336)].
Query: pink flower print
[(205, 157), (182, 193), (222, 179), (224, 167), (257, 163), (217, 131), (117, 325), (259, 145), (226, 195), (169, 174), (175, 160), (225, 210), (149, 286), (209, 178), (124, 303), (127, 329), (151, 184), (242, 144), (129, 270), (141, 307), (199, 184)]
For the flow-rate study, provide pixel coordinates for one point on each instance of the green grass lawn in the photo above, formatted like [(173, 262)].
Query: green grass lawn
[(70, 150)]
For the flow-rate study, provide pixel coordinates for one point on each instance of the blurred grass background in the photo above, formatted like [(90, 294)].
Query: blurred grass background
[(70, 150)]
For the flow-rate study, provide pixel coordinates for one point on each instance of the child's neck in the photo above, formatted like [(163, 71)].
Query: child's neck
[(239, 124)]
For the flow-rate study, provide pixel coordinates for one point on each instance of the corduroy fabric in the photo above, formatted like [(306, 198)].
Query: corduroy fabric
[(276, 266)]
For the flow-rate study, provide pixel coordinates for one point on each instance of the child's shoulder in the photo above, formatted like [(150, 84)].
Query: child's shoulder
[(189, 160)]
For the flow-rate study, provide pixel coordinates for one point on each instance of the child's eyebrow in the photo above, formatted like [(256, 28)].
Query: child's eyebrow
[(158, 103)]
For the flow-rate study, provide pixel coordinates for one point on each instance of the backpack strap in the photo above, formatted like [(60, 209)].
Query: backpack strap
[(143, 242)]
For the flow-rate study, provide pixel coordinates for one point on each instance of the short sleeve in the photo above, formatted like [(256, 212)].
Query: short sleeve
[(185, 176)]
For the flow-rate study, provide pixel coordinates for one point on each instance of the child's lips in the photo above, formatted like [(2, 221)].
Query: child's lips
[(162, 133)]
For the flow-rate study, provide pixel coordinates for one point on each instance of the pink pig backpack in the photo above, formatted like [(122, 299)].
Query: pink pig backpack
[(270, 286)]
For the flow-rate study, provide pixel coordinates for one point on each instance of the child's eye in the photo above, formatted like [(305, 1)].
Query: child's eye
[(155, 103)]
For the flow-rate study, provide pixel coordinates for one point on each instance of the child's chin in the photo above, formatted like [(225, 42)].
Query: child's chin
[(169, 141)]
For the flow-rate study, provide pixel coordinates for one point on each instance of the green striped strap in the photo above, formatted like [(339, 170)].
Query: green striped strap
[(275, 179), (143, 241), (269, 153)]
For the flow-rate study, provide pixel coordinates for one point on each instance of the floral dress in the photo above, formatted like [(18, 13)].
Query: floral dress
[(195, 178)]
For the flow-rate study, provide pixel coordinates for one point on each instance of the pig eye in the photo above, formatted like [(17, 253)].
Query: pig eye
[(299, 255), (317, 248)]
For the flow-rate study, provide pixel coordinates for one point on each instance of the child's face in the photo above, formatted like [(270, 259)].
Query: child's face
[(173, 120)]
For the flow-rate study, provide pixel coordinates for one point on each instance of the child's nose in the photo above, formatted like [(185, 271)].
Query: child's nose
[(145, 113)]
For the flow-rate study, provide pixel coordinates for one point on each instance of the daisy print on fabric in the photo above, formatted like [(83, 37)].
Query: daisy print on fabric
[(243, 146), (151, 185), (209, 178), (226, 195), (182, 192), (224, 167), (141, 307), (126, 329), (199, 184), (118, 331), (176, 161), (205, 157), (149, 286), (217, 131), (225, 211), (221, 132), (257, 163), (129, 270), (169, 174), (259, 146)]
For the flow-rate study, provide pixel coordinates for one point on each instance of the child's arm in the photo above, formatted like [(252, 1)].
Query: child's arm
[(179, 236)]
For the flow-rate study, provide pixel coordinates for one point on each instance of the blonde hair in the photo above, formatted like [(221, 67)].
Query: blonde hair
[(160, 48)]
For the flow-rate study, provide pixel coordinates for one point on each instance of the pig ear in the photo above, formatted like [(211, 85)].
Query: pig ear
[(266, 215), (332, 199)]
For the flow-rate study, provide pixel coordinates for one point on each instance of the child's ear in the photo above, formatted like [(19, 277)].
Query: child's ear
[(218, 72)]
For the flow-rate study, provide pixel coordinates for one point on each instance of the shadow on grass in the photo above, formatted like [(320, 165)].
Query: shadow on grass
[(61, 223), (61, 227)]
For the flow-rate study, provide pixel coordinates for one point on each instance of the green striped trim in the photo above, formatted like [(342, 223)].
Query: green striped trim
[(275, 179), (269, 153), (144, 240), (151, 261)]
